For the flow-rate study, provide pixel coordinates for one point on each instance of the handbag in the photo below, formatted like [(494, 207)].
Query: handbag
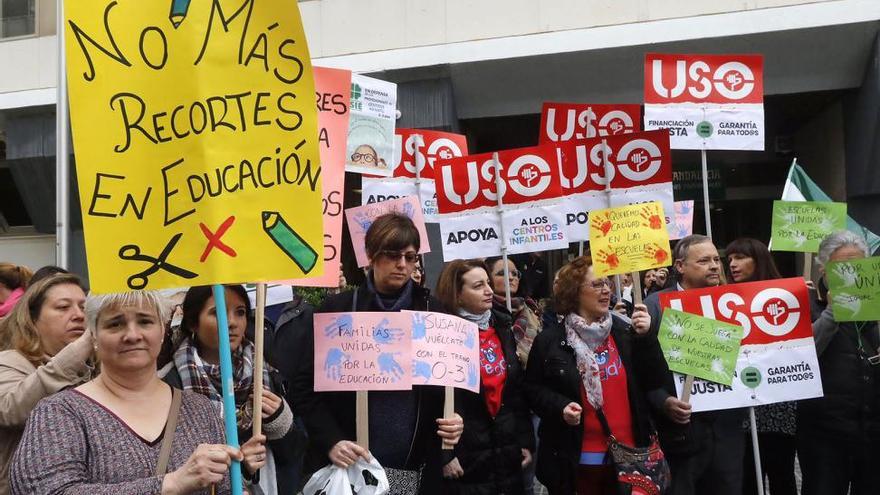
[(639, 470)]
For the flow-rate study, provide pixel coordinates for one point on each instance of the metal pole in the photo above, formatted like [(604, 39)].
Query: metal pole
[(759, 475), (62, 180), (225, 352), (498, 194), (706, 194)]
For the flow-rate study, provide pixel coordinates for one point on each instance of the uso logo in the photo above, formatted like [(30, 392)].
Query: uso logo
[(704, 78)]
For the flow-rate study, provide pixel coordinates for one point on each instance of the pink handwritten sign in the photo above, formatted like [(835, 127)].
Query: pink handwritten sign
[(363, 351), (445, 351), (360, 218), (684, 220)]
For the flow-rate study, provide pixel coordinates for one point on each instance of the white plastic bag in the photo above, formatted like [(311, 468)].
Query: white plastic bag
[(361, 478)]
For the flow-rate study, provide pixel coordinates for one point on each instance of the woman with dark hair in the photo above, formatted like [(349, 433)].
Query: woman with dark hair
[(404, 429), (195, 366), (498, 439), (48, 349), (13, 282), (581, 367), (749, 260), (525, 312)]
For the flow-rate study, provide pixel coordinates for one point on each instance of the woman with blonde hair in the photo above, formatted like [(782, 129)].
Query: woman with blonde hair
[(126, 431), (48, 349), (13, 282)]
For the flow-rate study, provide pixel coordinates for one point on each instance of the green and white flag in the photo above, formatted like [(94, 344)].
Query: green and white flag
[(799, 187)]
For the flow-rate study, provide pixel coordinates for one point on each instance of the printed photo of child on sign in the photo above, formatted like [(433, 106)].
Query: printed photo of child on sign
[(371, 127)]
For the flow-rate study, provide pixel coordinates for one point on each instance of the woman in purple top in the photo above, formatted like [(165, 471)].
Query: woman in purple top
[(104, 437)]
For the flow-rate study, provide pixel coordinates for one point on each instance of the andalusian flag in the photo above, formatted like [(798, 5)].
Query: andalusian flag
[(799, 187)]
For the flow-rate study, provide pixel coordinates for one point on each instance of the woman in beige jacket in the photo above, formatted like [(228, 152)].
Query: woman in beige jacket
[(49, 349)]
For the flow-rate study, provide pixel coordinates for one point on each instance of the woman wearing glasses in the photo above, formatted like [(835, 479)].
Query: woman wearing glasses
[(524, 310), (581, 365), (403, 426)]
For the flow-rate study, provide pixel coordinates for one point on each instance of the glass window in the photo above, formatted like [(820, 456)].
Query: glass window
[(17, 18)]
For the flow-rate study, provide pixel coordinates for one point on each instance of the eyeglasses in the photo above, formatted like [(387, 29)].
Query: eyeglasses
[(513, 273), (366, 156), (410, 257), (599, 284)]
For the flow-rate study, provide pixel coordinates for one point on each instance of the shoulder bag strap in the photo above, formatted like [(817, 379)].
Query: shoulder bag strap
[(603, 422), (168, 434)]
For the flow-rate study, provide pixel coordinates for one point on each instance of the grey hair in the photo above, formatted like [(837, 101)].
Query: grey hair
[(837, 240), (684, 245), (96, 303)]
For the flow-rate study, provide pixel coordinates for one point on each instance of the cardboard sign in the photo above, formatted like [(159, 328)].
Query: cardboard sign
[(468, 183), (777, 360), (445, 351), (363, 351), (855, 289), (360, 218), (801, 225), (706, 101), (684, 220), (628, 239), (431, 146), (371, 126), (698, 346), (639, 171), (191, 142), (561, 122), (332, 87)]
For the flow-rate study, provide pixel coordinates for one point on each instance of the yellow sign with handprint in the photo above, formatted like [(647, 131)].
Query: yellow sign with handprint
[(628, 239), (196, 142)]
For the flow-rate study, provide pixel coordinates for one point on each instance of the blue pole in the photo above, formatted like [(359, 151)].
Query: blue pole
[(226, 376)]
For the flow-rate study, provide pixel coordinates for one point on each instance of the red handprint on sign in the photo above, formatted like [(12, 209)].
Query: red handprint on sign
[(651, 219), (601, 223), (609, 259), (658, 253)]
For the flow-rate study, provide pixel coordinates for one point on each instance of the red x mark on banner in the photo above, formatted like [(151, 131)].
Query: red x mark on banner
[(214, 239)]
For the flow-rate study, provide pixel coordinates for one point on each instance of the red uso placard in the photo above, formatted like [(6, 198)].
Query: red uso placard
[(562, 122), (635, 159), (719, 79), (527, 174), (437, 146), (769, 311)]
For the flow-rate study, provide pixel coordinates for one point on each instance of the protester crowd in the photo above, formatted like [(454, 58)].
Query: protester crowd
[(100, 394)]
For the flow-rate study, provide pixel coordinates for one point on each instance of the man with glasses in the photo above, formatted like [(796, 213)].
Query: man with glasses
[(705, 449)]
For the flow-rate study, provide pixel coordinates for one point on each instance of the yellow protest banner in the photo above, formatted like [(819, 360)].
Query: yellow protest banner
[(629, 238), (195, 132)]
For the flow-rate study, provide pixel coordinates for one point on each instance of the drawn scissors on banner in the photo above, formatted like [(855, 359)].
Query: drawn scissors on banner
[(138, 281)]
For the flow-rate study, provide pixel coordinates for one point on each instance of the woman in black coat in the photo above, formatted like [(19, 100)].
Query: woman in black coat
[(498, 438), (583, 363), (405, 432)]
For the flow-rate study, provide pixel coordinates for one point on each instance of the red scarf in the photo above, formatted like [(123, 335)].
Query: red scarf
[(493, 369)]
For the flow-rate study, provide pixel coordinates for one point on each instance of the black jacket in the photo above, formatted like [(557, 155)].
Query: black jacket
[(553, 381), (850, 410), (330, 416), (675, 438), (490, 448)]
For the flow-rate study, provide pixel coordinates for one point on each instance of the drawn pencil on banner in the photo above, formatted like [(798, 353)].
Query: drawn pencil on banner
[(289, 241), (178, 12)]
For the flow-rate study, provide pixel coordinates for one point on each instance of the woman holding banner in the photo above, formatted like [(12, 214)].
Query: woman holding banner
[(49, 349), (578, 367), (405, 434), (125, 431), (838, 434), (749, 260), (195, 367), (498, 438)]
